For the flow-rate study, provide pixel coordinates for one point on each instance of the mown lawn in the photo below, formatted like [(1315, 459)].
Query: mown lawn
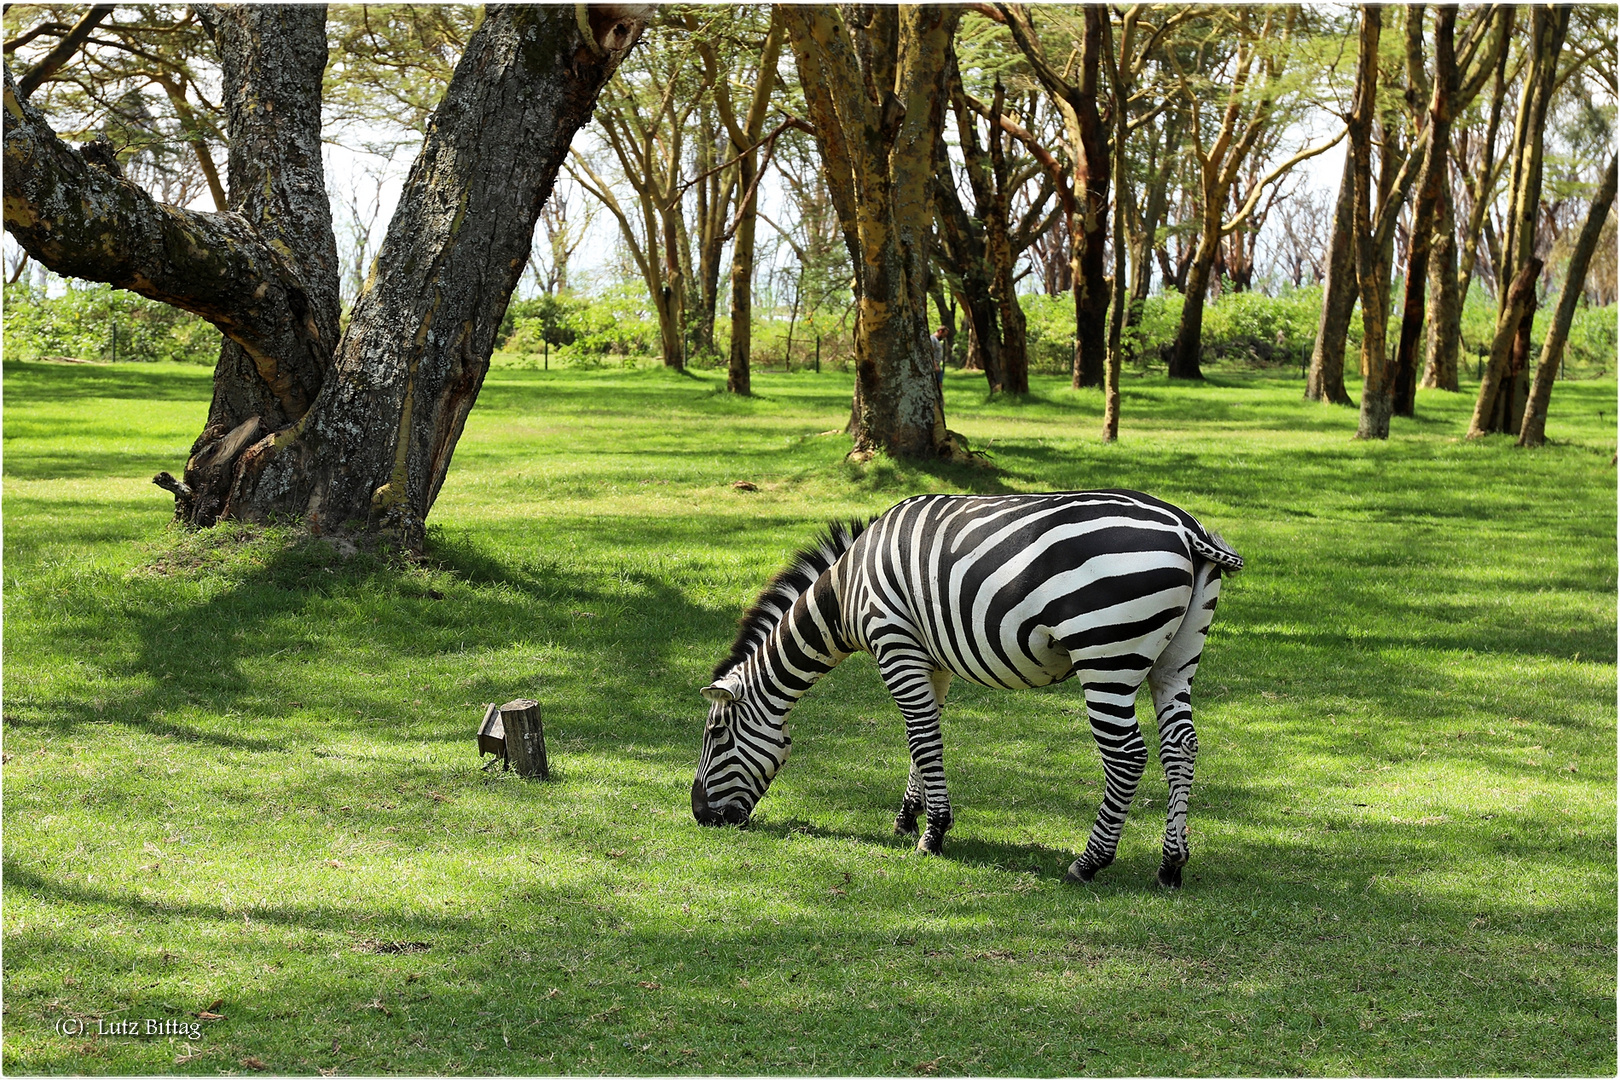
[(240, 777)]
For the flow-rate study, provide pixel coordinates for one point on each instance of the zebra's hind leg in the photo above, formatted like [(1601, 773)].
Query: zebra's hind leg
[(1111, 708), (1171, 684), (905, 823)]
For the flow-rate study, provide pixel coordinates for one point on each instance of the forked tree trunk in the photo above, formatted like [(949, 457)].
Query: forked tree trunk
[(350, 434), (1505, 388), (1494, 405), (1533, 431)]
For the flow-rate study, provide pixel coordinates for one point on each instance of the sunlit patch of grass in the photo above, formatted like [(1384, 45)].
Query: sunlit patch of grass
[(239, 766)]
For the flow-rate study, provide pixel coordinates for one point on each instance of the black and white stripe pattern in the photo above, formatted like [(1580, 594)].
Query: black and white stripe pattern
[(1112, 587)]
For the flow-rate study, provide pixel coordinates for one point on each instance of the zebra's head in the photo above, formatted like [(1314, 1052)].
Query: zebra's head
[(744, 744)]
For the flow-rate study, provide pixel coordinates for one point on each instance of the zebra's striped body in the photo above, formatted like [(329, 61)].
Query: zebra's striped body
[(1111, 587)]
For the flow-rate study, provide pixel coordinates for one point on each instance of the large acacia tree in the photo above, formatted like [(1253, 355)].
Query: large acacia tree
[(347, 429)]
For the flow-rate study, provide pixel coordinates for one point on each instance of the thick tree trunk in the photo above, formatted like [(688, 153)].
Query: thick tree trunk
[(357, 437), (1533, 431), (1185, 353), (875, 87), (1324, 380)]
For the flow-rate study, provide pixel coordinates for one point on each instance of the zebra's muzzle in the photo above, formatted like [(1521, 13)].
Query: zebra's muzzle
[(709, 815)]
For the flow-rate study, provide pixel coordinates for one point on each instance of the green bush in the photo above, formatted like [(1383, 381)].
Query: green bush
[(1245, 328), (80, 322), (582, 330)]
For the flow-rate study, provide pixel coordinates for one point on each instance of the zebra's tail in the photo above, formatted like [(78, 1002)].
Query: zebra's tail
[(1210, 546)]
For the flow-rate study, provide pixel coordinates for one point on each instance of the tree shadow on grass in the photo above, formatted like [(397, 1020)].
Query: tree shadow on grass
[(226, 669)]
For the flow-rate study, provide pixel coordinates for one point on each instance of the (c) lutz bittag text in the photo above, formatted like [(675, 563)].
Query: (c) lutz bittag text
[(147, 1028)]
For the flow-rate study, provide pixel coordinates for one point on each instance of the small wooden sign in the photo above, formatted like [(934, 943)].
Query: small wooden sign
[(514, 732)]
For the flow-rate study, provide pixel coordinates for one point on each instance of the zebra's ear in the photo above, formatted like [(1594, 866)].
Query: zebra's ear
[(718, 694)]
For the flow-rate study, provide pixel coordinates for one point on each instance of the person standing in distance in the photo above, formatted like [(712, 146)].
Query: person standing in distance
[(939, 357)]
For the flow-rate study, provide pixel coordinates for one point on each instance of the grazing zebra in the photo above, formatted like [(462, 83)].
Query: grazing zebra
[(1018, 590)]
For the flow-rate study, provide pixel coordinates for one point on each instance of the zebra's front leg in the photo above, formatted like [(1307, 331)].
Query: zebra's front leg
[(1112, 712), (919, 691)]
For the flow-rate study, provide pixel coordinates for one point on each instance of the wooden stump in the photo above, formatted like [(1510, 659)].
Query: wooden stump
[(525, 738)]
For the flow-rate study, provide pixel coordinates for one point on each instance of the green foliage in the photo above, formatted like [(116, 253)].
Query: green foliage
[(79, 324), (1240, 329), (1049, 331), (241, 769), (1592, 346), (581, 330)]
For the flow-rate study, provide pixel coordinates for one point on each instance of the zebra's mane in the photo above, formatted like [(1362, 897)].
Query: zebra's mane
[(791, 582)]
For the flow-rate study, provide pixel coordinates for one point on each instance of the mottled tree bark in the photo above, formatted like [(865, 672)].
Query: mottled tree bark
[(353, 434), (1443, 319), (874, 81), (1533, 431)]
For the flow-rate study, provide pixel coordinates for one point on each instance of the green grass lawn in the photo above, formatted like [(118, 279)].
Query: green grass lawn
[(240, 776)]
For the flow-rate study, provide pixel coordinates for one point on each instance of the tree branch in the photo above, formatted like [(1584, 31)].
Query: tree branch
[(1277, 174), (64, 50), (82, 221)]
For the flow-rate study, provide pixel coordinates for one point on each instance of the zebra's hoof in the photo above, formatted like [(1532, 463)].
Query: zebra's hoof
[(930, 843), (1170, 876), (1080, 875), (905, 825)]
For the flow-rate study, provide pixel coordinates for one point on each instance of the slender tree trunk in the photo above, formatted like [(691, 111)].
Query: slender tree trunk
[(1444, 305), (1089, 227), (1116, 319), (1324, 380), (1432, 177), (998, 246), (1533, 431), (1372, 265), (742, 250), (738, 379), (1506, 381)]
